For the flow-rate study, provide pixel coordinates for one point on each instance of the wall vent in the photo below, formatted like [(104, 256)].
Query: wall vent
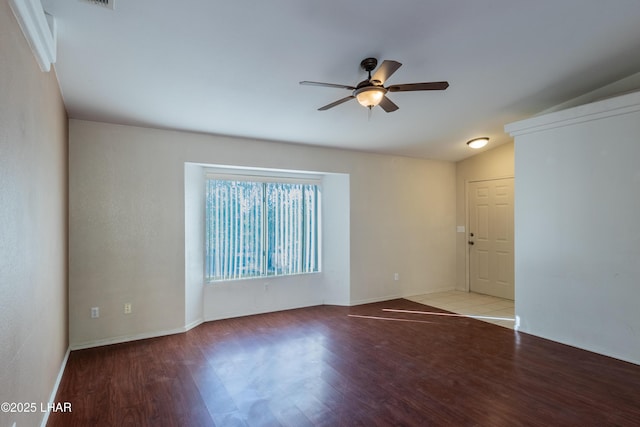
[(104, 3)]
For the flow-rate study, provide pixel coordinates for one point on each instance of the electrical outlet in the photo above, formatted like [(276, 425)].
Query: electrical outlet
[(266, 286), (95, 312), (127, 308), (396, 276)]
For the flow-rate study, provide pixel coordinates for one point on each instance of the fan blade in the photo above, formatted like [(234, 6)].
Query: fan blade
[(388, 105), (338, 102), (418, 86), (306, 83), (386, 70)]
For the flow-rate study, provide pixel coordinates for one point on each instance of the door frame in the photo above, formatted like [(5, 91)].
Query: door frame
[(467, 260)]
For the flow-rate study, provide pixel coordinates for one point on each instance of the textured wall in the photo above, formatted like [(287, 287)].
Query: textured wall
[(576, 225), (33, 221), (127, 230)]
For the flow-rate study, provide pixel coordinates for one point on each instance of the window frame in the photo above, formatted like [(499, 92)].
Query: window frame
[(260, 176)]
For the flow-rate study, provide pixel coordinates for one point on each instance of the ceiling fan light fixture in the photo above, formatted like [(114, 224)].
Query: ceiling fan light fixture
[(371, 91), (478, 142), (370, 96)]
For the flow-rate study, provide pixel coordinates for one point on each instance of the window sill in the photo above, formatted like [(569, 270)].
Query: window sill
[(261, 278)]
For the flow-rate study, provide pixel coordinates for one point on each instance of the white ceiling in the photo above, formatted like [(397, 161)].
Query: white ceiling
[(233, 67)]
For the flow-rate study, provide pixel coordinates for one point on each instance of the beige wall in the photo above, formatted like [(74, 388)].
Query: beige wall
[(495, 163), (33, 221), (127, 226)]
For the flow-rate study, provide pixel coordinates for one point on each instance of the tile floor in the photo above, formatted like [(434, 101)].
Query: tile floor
[(490, 309)]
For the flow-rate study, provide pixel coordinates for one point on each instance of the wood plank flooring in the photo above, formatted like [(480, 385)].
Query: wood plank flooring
[(347, 366)]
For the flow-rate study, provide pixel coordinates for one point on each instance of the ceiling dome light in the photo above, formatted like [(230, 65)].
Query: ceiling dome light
[(478, 142), (370, 96)]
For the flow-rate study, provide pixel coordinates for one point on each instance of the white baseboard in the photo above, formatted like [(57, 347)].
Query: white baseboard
[(232, 315), (54, 392), (193, 324), (390, 297), (127, 338), (146, 335), (372, 300), (434, 291)]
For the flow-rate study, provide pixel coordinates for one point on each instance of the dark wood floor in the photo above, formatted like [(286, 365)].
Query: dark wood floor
[(323, 366)]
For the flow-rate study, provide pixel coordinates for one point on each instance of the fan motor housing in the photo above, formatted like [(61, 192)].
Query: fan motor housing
[(369, 64)]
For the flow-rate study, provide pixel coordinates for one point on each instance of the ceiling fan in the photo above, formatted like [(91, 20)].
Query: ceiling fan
[(371, 92)]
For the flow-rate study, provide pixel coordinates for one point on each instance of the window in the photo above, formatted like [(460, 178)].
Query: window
[(260, 228)]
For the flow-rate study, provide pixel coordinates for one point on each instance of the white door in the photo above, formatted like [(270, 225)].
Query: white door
[(490, 237)]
